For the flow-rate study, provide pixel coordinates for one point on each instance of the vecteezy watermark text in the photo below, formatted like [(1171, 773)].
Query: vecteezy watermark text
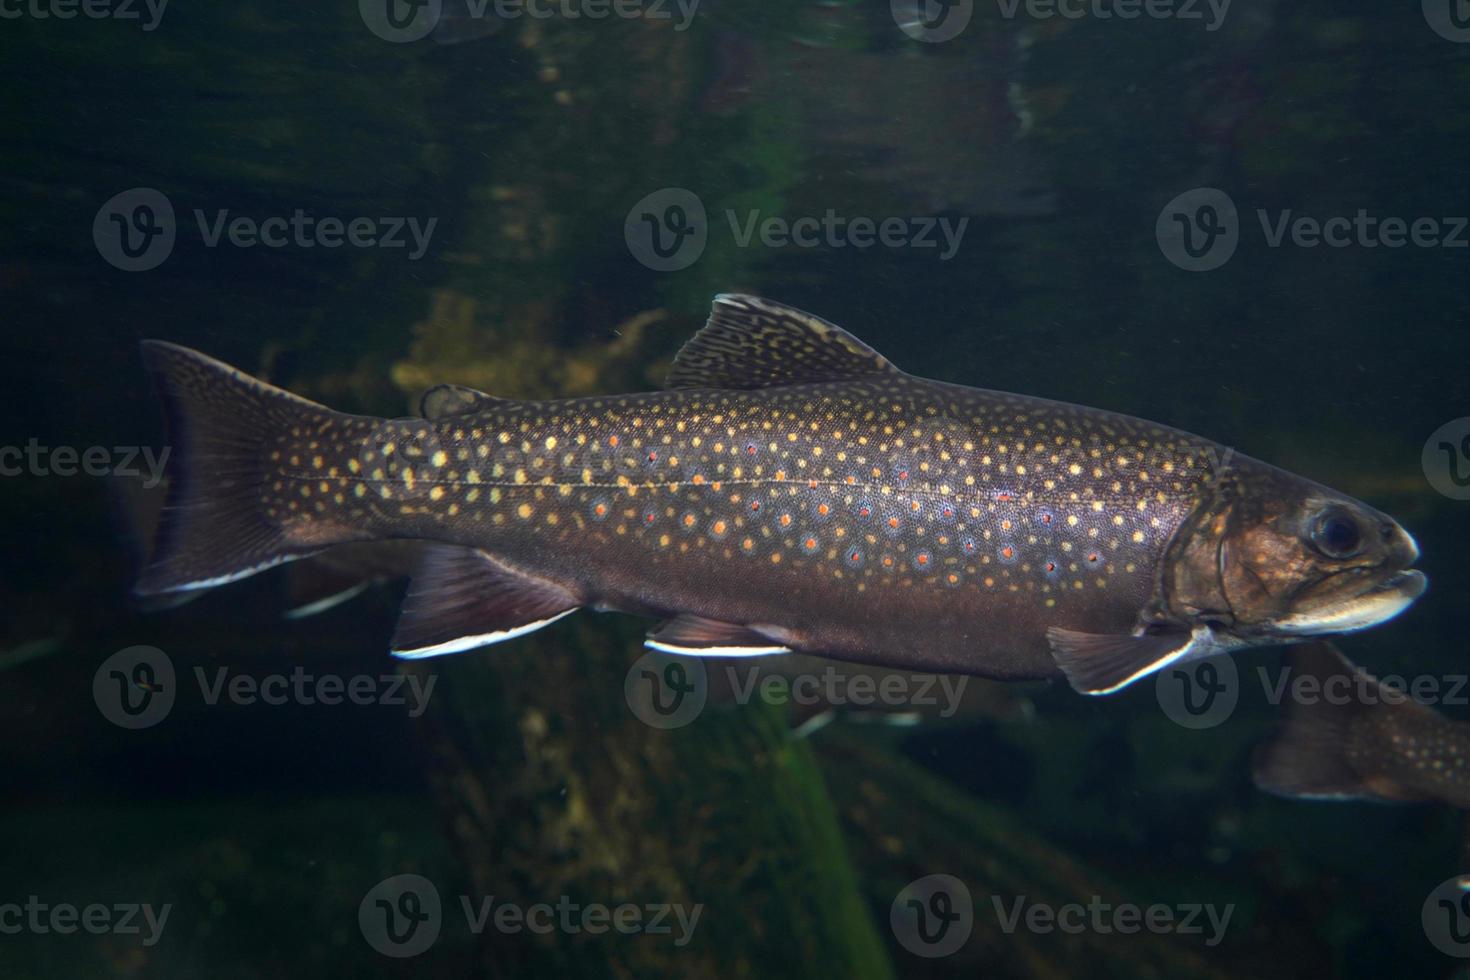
[(841, 689), (406, 21), (669, 229), (34, 459), (123, 10), (63, 918), (1200, 230), (1125, 918), (402, 916), (1210, 12), (934, 915), (136, 230)]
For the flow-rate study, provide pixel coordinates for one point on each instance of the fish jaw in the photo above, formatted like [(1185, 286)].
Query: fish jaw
[(1376, 605)]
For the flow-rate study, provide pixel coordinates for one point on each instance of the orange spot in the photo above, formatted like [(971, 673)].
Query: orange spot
[(809, 543), (893, 522), (697, 479), (755, 505), (1008, 552), (922, 559), (823, 509), (720, 527), (612, 441), (785, 520)]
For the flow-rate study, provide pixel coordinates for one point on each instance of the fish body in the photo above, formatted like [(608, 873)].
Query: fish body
[(792, 490), (1350, 736)]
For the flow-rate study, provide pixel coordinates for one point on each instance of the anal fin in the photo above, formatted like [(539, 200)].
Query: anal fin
[(462, 598), (1097, 663), (695, 635)]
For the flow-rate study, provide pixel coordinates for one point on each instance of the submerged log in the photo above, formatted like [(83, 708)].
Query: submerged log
[(552, 786)]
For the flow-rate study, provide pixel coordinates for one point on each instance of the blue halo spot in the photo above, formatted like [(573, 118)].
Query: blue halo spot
[(650, 517), (893, 524), (902, 471), (853, 557), (750, 448), (969, 545), (823, 508), (1051, 568), (923, 560), (1006, 554), (864, 510), (600, 508), (952, 578), (719, 528), (809, 544), (946, 512), (1045, 517)]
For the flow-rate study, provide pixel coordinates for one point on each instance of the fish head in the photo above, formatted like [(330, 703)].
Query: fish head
[(1269, 557)]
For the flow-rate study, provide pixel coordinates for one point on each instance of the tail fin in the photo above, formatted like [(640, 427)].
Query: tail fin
[(214, 528), (1309, 756)]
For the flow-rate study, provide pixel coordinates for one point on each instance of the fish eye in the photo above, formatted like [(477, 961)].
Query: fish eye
[(1336, 534)]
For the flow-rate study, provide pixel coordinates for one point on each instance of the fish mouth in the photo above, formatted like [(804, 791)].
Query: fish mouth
[(1376, 604)]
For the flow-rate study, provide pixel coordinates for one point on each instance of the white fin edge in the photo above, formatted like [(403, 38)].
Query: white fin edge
[(463, 643), (714, 651)]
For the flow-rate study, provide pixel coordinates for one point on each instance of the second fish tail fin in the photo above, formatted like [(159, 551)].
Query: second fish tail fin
[(230, 437)]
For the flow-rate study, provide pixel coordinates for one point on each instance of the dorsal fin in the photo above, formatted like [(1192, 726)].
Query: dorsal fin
[(750, 342), (442, 401)]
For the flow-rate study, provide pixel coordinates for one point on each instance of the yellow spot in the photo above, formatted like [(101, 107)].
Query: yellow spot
[(439, 458), (550, 443), (523, 511)]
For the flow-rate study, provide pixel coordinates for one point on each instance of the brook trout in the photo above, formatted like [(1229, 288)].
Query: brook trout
[(791, 490), (1348, 736)]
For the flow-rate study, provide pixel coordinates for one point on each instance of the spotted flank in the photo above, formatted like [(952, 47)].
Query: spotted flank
[(791, 489)]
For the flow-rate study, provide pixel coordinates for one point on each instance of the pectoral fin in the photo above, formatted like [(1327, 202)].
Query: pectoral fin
[(462, 598), (690, 634), (1097, 663)]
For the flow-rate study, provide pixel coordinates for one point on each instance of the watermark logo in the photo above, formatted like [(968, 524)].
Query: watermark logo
[(134, 688), (137, 688), (1450, 19), (932, 21), (97, 919), (134, 231), (1198, 230), (669, 229), (1204, 694), (932, 916), (149, 13), (1446, 459), (1210, 12), (1201, 694), (666, 691), (406, 21), (400, 21), (402, 459), (401, 916), (1445, 916)]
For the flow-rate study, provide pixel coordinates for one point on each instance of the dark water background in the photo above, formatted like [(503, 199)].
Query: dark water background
[(529, 141)]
